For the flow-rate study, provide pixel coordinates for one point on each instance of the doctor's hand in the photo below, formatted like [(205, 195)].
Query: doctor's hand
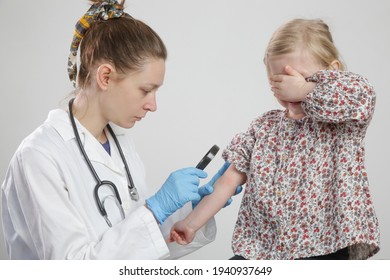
[(208, 188), (180, 188)]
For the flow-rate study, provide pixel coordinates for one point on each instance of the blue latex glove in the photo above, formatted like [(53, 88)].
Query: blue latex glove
[(208, 188), (180, 188)]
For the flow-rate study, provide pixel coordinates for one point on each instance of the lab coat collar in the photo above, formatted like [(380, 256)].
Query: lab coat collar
[(59, 120)]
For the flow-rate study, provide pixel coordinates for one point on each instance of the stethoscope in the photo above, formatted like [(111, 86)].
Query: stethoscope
[(132, 190)]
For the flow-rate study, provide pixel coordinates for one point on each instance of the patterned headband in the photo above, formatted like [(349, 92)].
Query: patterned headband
[(99, 11)]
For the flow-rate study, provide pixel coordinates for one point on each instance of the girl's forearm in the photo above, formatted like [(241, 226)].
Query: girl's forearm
[(224, 188)]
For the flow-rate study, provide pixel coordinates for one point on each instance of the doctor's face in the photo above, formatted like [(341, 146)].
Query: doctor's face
[(134, 95)]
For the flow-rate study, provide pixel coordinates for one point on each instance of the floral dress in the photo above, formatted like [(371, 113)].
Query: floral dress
[(307, 191)]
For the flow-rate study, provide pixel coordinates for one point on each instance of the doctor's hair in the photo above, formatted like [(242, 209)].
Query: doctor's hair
[(124, 42), (312, 35)]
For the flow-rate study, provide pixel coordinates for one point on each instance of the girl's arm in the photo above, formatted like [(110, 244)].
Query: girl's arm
[(340, 97), (327, 96), (183, 232)]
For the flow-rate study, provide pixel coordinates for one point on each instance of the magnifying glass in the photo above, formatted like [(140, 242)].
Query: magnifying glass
[(207, 157)]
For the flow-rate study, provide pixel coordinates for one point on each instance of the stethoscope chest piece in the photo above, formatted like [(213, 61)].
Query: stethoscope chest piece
[(133, 193)]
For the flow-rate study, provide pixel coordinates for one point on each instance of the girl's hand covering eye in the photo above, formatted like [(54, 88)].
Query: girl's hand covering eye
[(290, 87)]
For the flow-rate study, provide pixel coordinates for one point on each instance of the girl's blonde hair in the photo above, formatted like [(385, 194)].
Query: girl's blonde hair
[(312, 35)]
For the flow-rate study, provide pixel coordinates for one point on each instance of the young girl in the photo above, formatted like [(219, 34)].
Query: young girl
[(306, 185)]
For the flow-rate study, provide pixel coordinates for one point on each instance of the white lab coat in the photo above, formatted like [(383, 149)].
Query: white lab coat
[(48, 207)]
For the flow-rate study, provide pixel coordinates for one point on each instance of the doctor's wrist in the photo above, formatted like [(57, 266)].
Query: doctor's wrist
[(147, 207), (154, 207)]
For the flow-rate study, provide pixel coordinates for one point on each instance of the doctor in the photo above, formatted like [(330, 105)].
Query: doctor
[(75, 188)]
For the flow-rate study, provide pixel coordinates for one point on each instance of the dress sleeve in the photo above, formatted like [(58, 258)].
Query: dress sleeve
[(340, 97), (239, 151)]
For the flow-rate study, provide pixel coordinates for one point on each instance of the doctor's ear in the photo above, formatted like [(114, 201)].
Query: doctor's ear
[(104, 75)]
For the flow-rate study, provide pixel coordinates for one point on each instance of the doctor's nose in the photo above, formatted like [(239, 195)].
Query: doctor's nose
[(151, 104)]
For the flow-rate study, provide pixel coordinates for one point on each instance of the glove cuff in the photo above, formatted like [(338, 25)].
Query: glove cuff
[(154, 206)]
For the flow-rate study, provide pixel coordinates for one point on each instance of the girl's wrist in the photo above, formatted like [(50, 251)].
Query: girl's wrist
[(192, 226), (308, 87), (305, 90)]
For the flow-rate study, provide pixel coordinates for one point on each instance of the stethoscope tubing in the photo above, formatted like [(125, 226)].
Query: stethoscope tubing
[(132, 190)]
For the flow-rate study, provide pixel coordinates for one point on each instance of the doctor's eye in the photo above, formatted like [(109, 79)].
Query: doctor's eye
[(146, 91)]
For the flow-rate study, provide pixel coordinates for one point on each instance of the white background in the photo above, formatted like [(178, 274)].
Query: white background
[(215, 82)]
